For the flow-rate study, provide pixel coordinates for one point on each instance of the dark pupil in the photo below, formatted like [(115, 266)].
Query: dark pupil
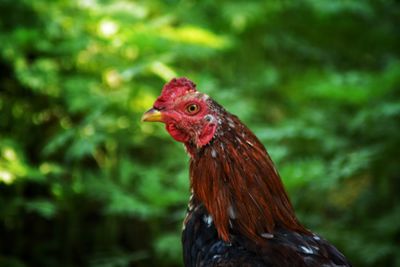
[(192, 108)]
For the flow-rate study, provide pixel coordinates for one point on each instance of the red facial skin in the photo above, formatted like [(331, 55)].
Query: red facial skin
[(192, 127)]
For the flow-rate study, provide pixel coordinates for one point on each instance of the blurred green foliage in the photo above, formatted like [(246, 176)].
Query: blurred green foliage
[(84, 183)]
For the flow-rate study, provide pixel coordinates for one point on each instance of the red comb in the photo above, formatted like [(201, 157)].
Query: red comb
[(175, 88)]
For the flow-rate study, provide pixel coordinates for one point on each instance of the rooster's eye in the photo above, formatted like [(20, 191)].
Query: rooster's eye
[(192, 109)]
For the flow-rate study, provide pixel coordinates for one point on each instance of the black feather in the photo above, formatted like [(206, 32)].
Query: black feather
[(202, 247)]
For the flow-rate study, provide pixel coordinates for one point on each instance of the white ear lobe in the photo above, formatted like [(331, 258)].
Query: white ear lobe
[(209, 118)]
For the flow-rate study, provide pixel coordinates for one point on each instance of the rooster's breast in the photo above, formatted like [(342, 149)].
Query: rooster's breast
[(203, 247)]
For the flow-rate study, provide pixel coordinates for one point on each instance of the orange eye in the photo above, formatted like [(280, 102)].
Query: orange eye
[(192, 109)]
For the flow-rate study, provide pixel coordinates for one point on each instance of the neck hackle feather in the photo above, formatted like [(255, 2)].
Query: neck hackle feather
[(236, 180)]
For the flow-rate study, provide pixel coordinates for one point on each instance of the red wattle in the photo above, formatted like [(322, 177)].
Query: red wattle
[(177, 134)]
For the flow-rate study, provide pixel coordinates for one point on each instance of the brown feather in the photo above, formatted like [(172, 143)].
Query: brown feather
[(234, 176)]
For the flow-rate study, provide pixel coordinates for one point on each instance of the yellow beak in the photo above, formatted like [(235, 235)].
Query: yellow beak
[(152, 115)]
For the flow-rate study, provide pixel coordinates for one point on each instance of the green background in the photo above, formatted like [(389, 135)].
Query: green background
[(84, 183)]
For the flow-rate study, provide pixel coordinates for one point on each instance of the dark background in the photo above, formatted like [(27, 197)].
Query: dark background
[(84, 183)]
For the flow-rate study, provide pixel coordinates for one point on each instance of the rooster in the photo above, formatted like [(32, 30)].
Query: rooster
[(239, 213)]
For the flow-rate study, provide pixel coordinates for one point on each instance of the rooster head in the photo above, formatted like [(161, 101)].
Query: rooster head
[(188, 115)]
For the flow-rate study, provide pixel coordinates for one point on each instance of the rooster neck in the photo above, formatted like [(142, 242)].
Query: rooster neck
[(235, 179)]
